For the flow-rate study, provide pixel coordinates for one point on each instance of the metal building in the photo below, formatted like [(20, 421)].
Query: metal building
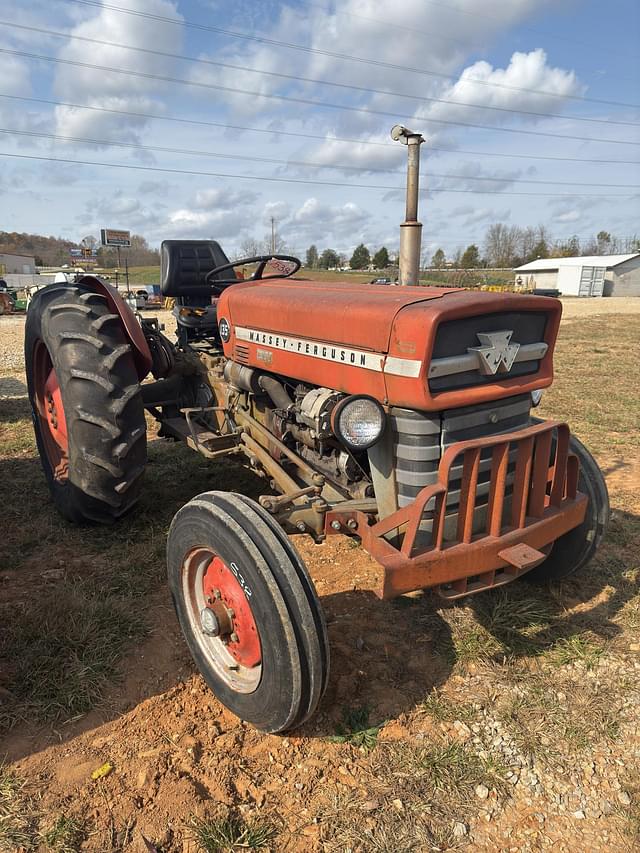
[(22, 264), (591, 275)]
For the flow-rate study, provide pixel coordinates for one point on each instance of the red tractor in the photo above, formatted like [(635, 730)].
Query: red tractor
[(401, 417)]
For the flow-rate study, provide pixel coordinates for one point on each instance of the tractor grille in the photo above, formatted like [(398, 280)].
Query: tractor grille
[(420, 439), (448, 369)]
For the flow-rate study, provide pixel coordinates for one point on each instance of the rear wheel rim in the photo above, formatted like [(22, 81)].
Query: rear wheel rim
[(215, 598), (50, 413)]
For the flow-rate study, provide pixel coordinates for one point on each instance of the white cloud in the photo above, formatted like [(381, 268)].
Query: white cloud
[(326, 224), (111, 90), (221, 197), (513, 90), (569, 216), (277, 209), (15, 76), (473, 177)]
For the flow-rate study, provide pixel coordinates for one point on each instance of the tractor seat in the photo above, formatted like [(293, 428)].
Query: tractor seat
[(197, 317), (184, 265)]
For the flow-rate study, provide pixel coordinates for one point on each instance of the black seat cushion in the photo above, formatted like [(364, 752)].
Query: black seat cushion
[(185, 263)]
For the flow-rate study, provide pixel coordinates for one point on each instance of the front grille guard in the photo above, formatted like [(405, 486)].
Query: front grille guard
[(545, 503)]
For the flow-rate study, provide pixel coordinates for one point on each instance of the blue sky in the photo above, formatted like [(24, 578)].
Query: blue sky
[(559, 72)]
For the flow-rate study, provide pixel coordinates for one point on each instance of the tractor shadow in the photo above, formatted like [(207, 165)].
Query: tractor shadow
[(102, 628), (14, 402)]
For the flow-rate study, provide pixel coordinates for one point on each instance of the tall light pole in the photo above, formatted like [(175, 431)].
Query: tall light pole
[(410, 229)]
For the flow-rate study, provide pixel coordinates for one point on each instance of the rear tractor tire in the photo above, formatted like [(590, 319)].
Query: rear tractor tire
[(572, 552), (248, 610), (86, 403)]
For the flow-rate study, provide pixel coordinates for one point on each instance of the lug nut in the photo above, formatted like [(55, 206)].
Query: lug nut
[(335, 524), (234, 638), (301, 526), (352, 524)]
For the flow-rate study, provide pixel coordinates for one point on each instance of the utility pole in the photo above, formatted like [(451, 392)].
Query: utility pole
[(273, 235), (410, 229)]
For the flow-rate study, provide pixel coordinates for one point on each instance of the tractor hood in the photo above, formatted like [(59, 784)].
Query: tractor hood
[(415, 347), (323, 311)]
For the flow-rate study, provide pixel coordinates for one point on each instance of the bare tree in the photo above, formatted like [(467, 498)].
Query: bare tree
[(501, 244), (250, 247), (265, 246)]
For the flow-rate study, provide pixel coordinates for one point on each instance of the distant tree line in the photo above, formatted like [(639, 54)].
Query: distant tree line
[(54, 251), (507, 246), (361, 259)]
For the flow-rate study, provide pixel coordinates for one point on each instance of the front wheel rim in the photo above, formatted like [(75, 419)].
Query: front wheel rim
[(49, 410), (217, 599)]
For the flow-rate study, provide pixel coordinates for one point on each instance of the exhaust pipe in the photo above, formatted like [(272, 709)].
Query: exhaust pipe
[(411, 229)]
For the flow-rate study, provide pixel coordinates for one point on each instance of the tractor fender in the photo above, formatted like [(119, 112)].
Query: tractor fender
[(132, 328)]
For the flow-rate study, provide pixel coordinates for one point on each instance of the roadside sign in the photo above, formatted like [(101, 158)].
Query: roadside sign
[(111, 237)]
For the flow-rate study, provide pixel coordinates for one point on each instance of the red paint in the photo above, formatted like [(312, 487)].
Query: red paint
[(395, 321), (220, 577), (49, 410), (54, 412)]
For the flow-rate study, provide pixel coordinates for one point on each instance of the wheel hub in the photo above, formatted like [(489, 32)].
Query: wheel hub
[(228, 615), (49, 410), (54, 411)]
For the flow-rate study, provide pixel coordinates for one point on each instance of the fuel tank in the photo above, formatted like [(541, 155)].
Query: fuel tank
[(382, 340)]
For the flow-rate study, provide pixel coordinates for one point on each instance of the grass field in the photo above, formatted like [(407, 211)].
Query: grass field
[(504, 722)]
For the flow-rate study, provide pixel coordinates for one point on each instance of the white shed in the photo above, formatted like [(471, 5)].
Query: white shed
[(590, 275)]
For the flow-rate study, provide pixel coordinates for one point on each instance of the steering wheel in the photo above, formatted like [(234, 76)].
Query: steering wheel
[(220, 284)]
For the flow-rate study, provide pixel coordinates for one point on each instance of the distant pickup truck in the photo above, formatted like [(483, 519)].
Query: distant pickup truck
[(380, 281)]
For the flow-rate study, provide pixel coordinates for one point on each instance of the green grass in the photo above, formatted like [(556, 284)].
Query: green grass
[(577, 648), (138, 275), (452, 768), (70, 637), (631, 813), (420, 792), (552, 715), (356, 729), (64, 655), (472, 643), (439, 707), (65, 835), (605, 421), (16, 818), (232, 833)]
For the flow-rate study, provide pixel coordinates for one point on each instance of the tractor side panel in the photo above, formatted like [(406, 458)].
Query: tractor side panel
[(333, 335)]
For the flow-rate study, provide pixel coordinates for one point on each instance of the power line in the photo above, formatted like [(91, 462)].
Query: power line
[(299, 79), (300, 135), (321, 52), (450, 8), (306, 101), (299, 180), (302, 163)]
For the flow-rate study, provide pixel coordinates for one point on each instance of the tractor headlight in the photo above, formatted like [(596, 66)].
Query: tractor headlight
[(536, 396), (358, 422)]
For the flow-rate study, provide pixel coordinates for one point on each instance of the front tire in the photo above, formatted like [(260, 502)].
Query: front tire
[(248, 611), (86, 403), (572, 552)]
